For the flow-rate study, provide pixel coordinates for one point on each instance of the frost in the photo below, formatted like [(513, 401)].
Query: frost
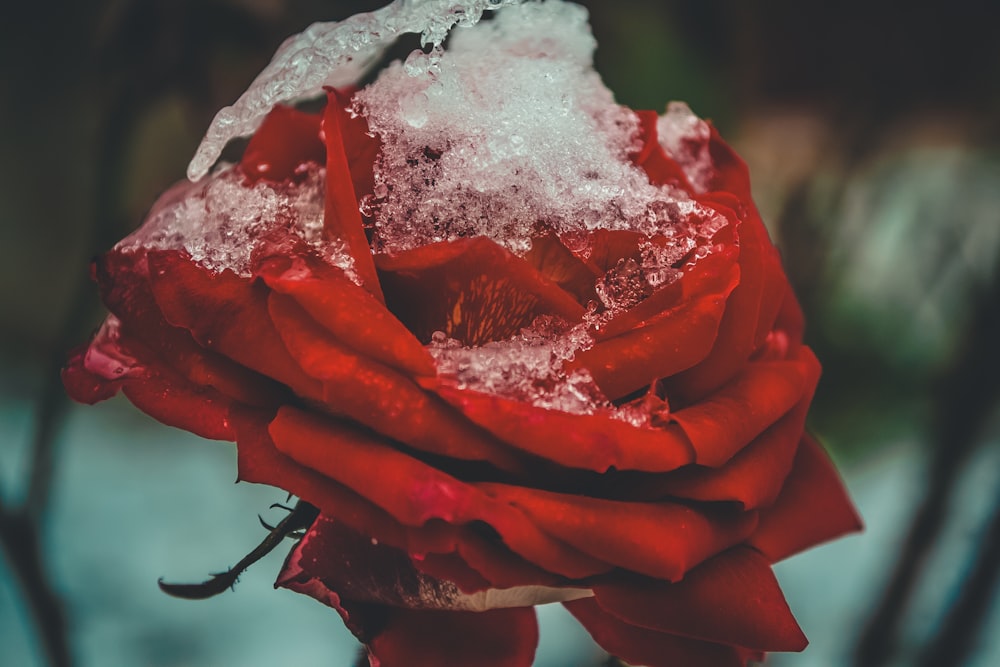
[(507, 133), (527, 367), (331, 54), (684, 137), (222, 221)]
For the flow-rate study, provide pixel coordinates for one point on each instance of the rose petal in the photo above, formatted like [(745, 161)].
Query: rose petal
[(471, 289), (723, 423), (554, 261), (341, 217), (379, 397), (593, 442), (497, 638), (126, 289), (662, 540), (813, 507), (413, 492), (732, 598), (737, 329), (640, 646), (287, 139), (678, 339), (84, 386), (660, 169), (349, 312), (226, 314)]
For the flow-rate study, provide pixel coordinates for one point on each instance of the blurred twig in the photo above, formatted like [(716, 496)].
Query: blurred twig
[(966, 396), (954, 642)]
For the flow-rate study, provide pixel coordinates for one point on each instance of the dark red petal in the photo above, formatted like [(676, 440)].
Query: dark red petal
[(341, 218), (153, 386), (715, 274), (732, 598), (737, 329), (593, 442), (260, 462), (812, 508), (726, 421), (471, 289), (350, 313), (730, 171), (125, 285), (640, 646), (497, 638), (675, 340), (285, 140), (754, 477), (169, 398), (379, 397), (662, 540), (227, 314), (413, 492)]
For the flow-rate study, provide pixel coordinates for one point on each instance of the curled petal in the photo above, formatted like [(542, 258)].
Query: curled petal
[(414, 493), (350, 313), (379, 397), (813, 507), (662, 540), (732, 598), (641, 646), (678, 339), (594, 442), (722, 424)]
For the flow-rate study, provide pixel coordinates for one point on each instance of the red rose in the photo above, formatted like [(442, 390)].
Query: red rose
[(483, 430)]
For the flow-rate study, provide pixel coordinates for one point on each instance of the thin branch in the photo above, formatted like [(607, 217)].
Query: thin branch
[(299, 518), (966, 398), (19, 540), (955, 641)]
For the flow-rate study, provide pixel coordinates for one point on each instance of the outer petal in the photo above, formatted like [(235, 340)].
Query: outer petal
[(497, 638), (732, 598), (661, 540), (402, 616), (379, 397), (226, 314), (341, 218), (812, 508), (415, 493), (593, 442), (678, 338), (723, 423), (641, 646)]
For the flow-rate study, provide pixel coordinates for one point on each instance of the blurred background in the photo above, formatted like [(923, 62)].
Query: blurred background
[(873, 140)]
